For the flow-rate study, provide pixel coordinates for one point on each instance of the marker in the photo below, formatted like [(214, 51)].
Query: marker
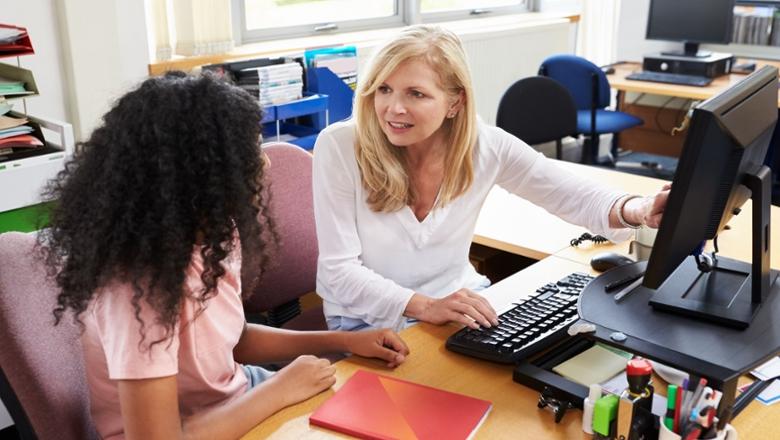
[(678, 408), (671, 400)]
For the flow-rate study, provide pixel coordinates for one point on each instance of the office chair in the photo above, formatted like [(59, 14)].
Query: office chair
[(42, 379), (590, 89), (536, 110), (293, 269)]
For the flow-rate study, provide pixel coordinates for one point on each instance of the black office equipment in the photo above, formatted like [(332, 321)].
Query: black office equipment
[(607, 260), (713, 66), (670, 78), (721, 166), (692, 22), (534, 324)]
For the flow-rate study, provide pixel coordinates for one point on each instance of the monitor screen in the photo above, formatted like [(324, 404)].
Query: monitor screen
[(728, 138), (693, 21)]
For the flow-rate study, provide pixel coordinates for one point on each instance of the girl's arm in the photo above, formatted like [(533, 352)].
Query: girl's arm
[(150, 407), (260, 344)]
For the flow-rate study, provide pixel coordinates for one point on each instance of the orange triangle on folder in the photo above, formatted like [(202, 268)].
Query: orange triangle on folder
[(380, 407)]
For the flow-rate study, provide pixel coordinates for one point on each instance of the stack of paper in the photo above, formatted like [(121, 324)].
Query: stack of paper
[(14, 133), (11, 35), (274, 84)]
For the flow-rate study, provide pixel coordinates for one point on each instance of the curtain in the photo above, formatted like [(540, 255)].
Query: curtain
[(161, 38), (598, 30), (193, 27)]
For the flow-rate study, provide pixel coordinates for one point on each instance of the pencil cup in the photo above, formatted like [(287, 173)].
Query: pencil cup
[(727, 433), (666, 434), (642, 244)]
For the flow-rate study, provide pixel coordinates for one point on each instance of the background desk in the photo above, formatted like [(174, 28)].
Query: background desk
[(514, 414), (514, 225), (654, 136)]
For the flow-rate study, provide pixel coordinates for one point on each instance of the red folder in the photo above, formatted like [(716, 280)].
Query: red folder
[(372, 406), (22, 46)]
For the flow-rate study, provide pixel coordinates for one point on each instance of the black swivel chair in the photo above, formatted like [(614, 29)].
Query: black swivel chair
[(536, 110)]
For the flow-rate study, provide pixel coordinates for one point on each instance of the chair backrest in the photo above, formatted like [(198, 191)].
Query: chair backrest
[(293, 270), (536, 110), (577, 74), (43, 379)]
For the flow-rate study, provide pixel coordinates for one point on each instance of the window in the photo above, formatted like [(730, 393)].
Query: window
[(257, 20)]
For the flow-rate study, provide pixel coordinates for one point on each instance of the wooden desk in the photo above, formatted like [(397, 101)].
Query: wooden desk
[(514, 414), (619, 82), (515, 225)]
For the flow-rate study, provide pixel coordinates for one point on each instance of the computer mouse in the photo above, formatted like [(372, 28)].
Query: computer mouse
[(608, 70), (607, 260)]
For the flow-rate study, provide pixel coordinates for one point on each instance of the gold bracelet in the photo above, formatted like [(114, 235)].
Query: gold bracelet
[(619, 212)]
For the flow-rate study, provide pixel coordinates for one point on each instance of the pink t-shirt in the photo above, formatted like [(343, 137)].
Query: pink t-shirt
[(200, 352)]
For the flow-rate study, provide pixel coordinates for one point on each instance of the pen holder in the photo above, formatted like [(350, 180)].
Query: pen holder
[(727, 433)]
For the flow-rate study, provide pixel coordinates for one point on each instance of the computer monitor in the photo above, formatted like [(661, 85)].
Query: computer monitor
[(692, 22), (721, 166)]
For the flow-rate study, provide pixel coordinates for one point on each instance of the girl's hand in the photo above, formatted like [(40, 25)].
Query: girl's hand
[(303, 378), (384, 344)]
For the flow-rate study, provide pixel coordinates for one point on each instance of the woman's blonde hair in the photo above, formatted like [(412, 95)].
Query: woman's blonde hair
[(382, 168)]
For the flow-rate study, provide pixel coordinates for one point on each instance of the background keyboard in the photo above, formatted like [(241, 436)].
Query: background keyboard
[(532, 325), (671, 78)]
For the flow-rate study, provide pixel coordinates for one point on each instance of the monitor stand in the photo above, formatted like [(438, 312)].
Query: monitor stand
[(691, 50), (732, 292)]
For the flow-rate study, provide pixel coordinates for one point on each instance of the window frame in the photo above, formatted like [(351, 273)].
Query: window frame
[(407, 12), (242, 35), (469, 13)]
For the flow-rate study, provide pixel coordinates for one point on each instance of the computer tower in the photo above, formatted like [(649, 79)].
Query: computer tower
[(715, 65)]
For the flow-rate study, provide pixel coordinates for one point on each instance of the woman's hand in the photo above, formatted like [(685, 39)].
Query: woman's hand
[(647, 210), (384, 344), (303, 378), (462, 306)]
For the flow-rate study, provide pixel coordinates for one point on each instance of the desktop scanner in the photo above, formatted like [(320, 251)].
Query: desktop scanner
[(607, 260)]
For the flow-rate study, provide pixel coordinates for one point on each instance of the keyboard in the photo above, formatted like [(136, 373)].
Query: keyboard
[(532, 325), (671, 78)]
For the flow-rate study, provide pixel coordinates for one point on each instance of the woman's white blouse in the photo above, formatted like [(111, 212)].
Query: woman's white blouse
[(370, 264)]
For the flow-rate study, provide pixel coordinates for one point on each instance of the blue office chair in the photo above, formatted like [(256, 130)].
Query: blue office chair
[(589, 87)]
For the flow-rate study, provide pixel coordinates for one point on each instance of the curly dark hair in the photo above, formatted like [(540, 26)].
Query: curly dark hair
[(176, 162)]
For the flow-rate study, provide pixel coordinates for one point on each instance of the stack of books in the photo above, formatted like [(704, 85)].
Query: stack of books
[(755, 25), (342, 61), (274, 84)]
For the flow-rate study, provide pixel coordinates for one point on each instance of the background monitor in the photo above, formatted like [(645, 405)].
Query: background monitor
[(725, 148), (692, 22)]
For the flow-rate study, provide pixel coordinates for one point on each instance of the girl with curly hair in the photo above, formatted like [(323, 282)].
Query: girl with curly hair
[(152, 222)]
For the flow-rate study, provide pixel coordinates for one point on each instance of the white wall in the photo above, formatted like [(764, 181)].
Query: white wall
[(106, 52), (40, 19)]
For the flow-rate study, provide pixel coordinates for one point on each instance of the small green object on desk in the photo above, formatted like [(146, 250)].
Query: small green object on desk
[(604, 412)]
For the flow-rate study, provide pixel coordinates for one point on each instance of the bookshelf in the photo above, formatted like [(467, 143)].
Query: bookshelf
[(23, 174)]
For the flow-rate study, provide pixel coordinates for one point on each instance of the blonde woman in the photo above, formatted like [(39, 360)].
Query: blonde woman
[(398, 188)]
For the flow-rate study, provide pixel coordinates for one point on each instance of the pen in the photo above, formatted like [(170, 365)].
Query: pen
[(622, 282), (628, 289)]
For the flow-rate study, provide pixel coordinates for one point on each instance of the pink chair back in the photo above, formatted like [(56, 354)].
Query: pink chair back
[(43, 383), (293, 271)]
